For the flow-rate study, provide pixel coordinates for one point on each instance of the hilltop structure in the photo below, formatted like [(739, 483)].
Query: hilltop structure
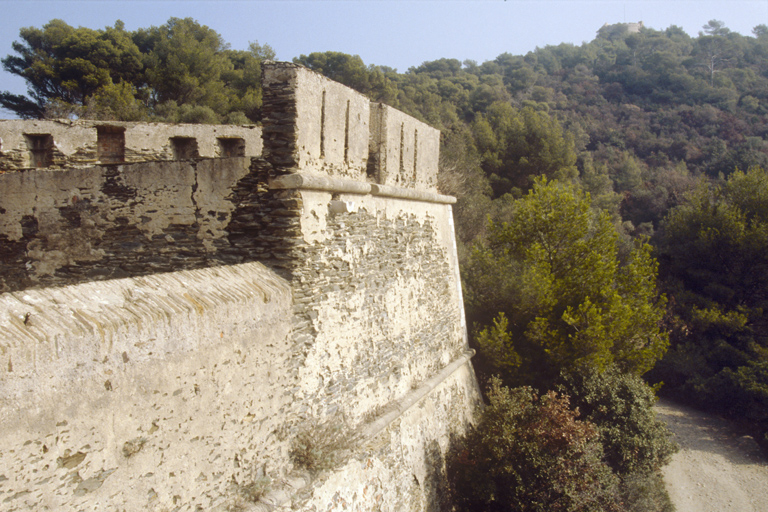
[(175, 332), (630, 28)]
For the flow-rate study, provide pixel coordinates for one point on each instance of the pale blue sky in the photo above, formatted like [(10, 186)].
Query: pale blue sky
[(397, 33)]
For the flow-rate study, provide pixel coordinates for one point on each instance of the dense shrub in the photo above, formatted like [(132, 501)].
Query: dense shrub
[(530, 453), (645, 492), (620, 405), (713, 245)]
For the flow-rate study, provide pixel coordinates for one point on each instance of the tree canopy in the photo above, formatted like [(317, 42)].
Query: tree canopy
[(180, 71), (69, 64), (563, 297), (715, 264)]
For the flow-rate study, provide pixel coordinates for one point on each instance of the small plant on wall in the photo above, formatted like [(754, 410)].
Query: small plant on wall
[(322, 445), (255, 490)]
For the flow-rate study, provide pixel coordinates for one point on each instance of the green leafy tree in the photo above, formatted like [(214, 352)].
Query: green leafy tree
[(192, 75), (518, 145), (531, 453), (715, 253), (243, 82), (554, 271), (69, 65), (715, 28), (154, 72), (114, 102), (715, 242), (460, 176), (743, 392), (184, 62)]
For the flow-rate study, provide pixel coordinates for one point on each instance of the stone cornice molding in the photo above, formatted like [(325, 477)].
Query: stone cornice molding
[(299, 181)]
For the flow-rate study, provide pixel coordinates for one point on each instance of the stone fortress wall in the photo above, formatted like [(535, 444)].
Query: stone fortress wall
[(168, 328)]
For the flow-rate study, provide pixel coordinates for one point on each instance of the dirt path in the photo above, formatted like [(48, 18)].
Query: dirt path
[(715, 469)]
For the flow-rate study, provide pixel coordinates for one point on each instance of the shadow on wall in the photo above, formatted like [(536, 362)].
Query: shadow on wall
[(436, 489), (109, 222)]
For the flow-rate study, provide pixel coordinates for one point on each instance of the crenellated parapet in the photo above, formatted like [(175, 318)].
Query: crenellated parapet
[(404, 151), (315, 126), (61, 143), (311, 125)]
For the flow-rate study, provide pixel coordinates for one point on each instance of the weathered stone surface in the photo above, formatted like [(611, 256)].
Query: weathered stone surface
[(168, 328), (65, 227), (143, 393), (328, 133), (388, 312), (403, 468), (312, 182), (404, 150)]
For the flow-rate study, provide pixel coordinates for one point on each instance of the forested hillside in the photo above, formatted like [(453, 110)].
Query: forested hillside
[(612, 217)]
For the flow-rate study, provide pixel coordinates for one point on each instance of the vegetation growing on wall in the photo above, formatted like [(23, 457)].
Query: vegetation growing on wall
[(322, 445)]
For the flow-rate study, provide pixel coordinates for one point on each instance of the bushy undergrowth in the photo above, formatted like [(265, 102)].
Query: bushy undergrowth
[(536, 453), (530, 453), (713, 245), (620, 405), (645, 492)]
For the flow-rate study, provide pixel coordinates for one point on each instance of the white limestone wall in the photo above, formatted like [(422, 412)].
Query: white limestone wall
[(165, 392), (405, 149), (379, 285), (403, 467), (332, 127)]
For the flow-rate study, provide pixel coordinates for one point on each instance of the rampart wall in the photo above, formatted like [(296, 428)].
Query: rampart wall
[(168, 329)]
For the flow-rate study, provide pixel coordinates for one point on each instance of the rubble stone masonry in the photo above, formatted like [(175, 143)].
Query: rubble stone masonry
[(169, 328)]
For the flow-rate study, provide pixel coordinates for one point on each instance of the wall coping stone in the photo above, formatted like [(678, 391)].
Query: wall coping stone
[(32, 318), (411, 399)]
